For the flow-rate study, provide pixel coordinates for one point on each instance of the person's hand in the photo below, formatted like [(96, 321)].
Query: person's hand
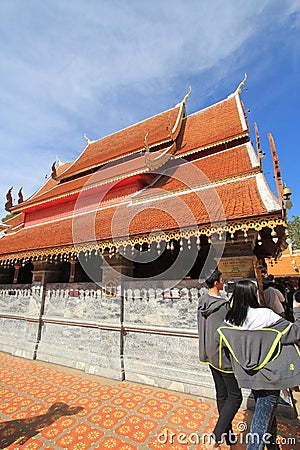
[(296, 304)]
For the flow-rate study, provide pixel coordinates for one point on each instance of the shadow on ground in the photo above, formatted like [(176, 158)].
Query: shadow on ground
[(19, 431)]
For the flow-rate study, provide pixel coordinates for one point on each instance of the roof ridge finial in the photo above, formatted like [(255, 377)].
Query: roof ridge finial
[(87, 139), (239, 88), (8, 205), (187, 95), (58, 161)]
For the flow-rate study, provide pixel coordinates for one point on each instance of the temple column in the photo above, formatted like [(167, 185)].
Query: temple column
[(16, 273), (72, 270)]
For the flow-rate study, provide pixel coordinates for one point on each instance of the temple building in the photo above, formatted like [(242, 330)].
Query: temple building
[(137, 222), (287, 266)]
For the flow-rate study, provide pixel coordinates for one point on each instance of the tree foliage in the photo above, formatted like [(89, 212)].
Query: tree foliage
[(9, 216), (294, 231)]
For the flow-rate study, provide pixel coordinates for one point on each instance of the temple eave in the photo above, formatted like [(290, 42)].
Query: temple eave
[(217, 229)]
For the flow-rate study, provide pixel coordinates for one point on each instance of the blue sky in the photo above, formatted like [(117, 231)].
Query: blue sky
[(94, 67)]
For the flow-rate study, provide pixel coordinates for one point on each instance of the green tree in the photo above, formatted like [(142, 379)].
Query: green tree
[(294, 231), (9, 216)]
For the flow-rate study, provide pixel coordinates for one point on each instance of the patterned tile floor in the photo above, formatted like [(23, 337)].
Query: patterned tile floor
[(44, 406)]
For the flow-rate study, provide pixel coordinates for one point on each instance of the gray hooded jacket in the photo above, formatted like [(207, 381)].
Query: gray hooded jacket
[(211, 314), (263, 358)]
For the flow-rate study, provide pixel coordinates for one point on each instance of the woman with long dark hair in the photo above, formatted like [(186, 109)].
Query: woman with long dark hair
[(264, 355), (212, 310)]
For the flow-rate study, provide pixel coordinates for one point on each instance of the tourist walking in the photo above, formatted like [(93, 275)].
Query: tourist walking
[(273, 298), (211, 313), (265, 357)]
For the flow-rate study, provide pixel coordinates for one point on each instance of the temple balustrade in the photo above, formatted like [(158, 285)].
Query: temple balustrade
[(142, 334), (20, 309)]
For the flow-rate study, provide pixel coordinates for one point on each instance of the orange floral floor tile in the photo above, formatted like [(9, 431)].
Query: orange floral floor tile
[(44, 406), (107, 417), (128, 400), (27, 443), (184, 417), (62, 396), (155, 409), (113, 443), (136, 428), (15, 404), (81, 437), (43, 391), (88, 405), (191, 403), (84, 386), (141, 389), (168, 438), (166, 396), (53, 430), (104, 393)]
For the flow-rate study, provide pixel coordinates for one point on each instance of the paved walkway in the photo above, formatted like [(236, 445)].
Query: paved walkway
[(44, 406)]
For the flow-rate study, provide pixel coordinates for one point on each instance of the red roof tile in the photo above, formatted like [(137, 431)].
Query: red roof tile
[(229, 163), (288, 265), (45, 189), (218, 123), (104, 175), (14, 222), (126, 141), (240, 200), (204, 170)]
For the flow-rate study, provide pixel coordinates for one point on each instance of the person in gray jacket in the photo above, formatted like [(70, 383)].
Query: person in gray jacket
[(265, 357), (212, 310)]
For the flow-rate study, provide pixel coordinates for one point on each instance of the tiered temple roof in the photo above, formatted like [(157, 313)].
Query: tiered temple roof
[(173, 173), (288, 265)]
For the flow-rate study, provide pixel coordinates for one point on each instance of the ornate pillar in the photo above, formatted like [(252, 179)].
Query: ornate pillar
[(72, 270), (16, 273)]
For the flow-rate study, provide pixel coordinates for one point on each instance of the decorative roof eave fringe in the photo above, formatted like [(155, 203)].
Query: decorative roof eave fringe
[(220, 229), (215, 144)]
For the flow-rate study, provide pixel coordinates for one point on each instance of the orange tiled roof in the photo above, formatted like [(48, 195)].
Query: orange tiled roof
[(104, 175), (126, 141), (288, 265), (45, 189), (229, 163), (240, 201), (218, 123), (15, 222)]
